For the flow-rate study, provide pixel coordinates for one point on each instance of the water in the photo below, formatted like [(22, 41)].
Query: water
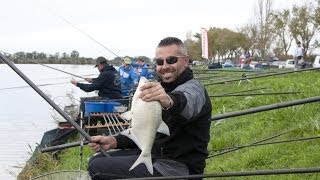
[(25, 115)]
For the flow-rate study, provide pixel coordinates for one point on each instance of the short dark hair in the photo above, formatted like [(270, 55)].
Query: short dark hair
[(173, 40), (298, 42), (140, 59), (101, 60)]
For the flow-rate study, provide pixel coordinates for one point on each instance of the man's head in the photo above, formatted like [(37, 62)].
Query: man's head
[(140, 61), (126, 62), (298, 43), (101, 62), (171, 59)]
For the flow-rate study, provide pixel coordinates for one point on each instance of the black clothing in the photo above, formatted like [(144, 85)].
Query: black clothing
[(118, 165), (108, 83), (189, 123)]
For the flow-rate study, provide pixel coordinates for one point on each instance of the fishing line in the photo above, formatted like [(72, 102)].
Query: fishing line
[(39, 85), (86, 34), (43, 65)]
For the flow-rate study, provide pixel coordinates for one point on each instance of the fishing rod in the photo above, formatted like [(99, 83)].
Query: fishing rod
[(263, 75), (266, 108), (233, 174), (267, 143), (237, 148), (45, 97), (81, 31), (44, 65), (39, 85), (255, 94), (227, 70), (235, 92)]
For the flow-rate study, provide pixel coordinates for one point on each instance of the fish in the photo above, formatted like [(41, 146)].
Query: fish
[(146, 121)]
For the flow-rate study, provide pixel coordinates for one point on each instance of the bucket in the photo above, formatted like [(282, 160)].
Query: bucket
[(100, 107), (109, 106)]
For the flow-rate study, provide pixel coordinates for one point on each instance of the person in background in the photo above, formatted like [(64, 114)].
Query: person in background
[(186, 109), (298, 55), (129, 78), (107, 83), (142, 68)]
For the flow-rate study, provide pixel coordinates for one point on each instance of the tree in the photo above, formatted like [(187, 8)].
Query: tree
[(74, 54), (281, 21), (302, 25), (263, 21)]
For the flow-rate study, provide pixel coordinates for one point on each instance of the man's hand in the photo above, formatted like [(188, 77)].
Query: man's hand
[(153, 91), (104, 142), (88, 80), (73, 81)]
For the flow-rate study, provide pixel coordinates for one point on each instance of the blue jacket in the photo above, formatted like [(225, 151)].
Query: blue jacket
[(108, 83), (128, 78), (143, 70)]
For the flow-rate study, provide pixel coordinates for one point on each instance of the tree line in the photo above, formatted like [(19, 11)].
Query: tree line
[(270, 33)]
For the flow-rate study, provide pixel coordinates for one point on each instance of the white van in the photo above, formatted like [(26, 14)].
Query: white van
[(316, 62), (289, 63)]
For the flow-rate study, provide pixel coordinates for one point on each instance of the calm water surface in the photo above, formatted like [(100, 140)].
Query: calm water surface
[(25, 115)]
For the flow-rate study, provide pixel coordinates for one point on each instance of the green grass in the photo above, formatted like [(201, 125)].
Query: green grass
[(243, 130), (304, 120)]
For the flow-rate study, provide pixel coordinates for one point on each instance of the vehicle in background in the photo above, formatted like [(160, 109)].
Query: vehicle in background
[(261, 66), (228, 64), (289, 63), (316, 62), (215, 65), (278, 64)]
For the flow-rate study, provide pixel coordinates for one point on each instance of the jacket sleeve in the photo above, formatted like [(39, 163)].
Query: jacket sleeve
[(189, 98), (144, 72), (134, 77), (96, 84)]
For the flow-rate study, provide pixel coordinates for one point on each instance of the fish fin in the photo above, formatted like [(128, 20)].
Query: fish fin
[(126, 115), (129, 133), (163, 128), (146, 160)]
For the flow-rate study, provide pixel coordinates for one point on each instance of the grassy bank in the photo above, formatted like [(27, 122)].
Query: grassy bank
[(301, 121)]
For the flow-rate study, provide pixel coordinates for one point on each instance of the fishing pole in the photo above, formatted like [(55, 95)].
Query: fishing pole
[(266, 108), (86, 34), (263, 75), (44, 65), (269, 143), (235, 92), (45, 97), (227, 150), (255, 94), (234, 174)]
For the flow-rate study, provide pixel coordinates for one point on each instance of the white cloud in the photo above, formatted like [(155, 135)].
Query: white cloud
[(125, 27)]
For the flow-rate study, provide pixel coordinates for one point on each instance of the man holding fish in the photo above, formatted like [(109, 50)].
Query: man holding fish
[(170, 126)]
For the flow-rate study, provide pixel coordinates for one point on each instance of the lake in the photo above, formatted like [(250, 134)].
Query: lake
[(25, 115)]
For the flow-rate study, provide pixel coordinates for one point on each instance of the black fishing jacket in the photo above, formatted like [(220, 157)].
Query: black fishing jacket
[(189, 123), (108, 83)]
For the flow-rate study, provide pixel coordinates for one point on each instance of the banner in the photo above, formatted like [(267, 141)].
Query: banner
[(204, 43)]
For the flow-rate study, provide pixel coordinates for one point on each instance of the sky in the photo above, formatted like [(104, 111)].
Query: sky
[(112, 28)]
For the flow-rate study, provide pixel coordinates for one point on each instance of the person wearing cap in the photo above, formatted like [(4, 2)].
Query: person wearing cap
[(107, 83), (129, 78)]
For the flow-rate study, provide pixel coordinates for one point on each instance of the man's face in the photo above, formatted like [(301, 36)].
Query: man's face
[(126, 66), (170, 72), (140, 63), (100, 67)]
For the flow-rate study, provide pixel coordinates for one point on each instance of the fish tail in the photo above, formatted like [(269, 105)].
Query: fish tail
[(146, 159)]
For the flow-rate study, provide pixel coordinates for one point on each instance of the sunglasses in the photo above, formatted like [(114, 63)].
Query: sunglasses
[(169, 60)]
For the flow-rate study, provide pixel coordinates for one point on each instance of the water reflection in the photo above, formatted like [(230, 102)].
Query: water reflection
[(24, 115)]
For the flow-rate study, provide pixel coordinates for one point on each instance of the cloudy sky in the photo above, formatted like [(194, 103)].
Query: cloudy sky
[(125, 27)]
